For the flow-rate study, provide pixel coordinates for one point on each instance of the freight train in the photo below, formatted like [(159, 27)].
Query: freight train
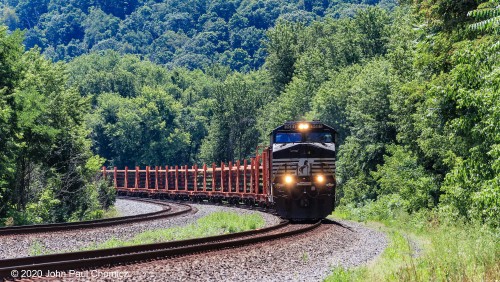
[(295, 175), (303, 170)]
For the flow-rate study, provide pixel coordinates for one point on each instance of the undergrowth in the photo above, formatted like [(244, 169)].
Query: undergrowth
[(425, 247), (112, 212)]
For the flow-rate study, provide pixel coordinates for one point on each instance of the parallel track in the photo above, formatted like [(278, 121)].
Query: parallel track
[(53, 227), (123, 255)]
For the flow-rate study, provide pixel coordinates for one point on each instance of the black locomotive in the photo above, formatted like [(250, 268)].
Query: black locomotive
[(302, 171)]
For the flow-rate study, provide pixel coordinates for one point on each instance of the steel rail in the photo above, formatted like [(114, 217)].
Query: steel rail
[(52, 227), (122, 255)]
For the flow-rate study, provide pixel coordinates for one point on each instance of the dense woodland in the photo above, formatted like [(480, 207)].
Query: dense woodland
[(191, 34), (412, 89)]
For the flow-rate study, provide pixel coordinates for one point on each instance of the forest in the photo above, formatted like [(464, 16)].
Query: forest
[(190, 34), (411, 87)]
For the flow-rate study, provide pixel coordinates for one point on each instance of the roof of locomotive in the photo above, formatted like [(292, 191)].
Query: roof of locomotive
[(290, 125)]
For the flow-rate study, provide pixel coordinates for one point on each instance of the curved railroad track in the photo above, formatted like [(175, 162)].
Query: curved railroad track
[(166, 211), (124, 255)]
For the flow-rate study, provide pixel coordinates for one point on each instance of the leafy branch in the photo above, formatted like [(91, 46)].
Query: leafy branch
[(489, 15)]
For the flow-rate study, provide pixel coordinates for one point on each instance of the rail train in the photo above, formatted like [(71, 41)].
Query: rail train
[(303, 170), (295, 175)]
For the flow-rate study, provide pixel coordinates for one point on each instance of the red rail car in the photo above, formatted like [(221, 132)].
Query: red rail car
[(244, 182)]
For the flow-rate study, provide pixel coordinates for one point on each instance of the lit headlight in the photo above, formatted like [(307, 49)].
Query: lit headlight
[(320, 178), (303, 126), (288, 179)]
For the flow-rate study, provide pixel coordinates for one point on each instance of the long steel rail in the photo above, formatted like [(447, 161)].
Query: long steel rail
[(41, 228), (120, 255)]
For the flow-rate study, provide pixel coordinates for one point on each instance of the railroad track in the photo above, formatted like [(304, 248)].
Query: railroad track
[(42, 228), (124, 255)]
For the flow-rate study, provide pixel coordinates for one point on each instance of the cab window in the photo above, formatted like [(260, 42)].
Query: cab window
[(320, 137), (288, 137)]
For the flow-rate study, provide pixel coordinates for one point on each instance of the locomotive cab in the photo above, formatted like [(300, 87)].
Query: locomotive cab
[(303, 170)]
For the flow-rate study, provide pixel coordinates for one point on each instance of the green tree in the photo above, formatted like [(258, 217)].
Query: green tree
[(373, 24), (98, 26), (444, 106), (29, 12), (45, 150), (232, 133), (281, 47), (140, 131), (9, 17), (402, 174), (360, 108), (11, 73)]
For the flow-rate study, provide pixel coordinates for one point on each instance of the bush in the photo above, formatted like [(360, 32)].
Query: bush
[(107, 193), (98, 196), (469, 196), (402, 174), (44, 210), (386, 208)]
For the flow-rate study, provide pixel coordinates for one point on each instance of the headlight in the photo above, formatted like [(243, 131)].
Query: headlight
[(320, 178), (303, 126), (288, 179)]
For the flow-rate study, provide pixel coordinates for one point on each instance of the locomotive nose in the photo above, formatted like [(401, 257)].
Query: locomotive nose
[(304, 202)]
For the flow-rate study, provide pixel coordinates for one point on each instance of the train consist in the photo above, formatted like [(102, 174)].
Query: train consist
[(295, 175)]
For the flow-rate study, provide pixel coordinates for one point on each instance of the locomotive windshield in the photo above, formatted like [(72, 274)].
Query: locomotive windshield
[(288, 137), (296, 137), (320, 137)]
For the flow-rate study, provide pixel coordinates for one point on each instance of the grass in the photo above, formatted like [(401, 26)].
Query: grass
[(305, 257), (37, 248), (111, 213), (449, 252), (214, 224)]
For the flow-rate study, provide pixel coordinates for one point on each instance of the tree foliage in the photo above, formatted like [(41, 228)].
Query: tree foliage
[(45, 155), (232, 132), (489, 15), (175, 33), (415, 108)]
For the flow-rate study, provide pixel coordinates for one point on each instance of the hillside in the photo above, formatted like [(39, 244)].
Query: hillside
[(191, 34)]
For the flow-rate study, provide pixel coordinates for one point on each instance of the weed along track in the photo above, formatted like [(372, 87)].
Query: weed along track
[(124, 255), (168, 210)]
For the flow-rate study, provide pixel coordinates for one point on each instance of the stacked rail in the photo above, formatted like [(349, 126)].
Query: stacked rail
[(245, 181)]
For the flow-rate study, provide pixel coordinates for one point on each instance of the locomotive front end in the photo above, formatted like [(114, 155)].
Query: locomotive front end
[(303, 170)]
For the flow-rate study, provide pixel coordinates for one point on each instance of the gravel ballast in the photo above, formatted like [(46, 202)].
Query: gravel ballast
[(128, 207), (12, 246), (306, 257)]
